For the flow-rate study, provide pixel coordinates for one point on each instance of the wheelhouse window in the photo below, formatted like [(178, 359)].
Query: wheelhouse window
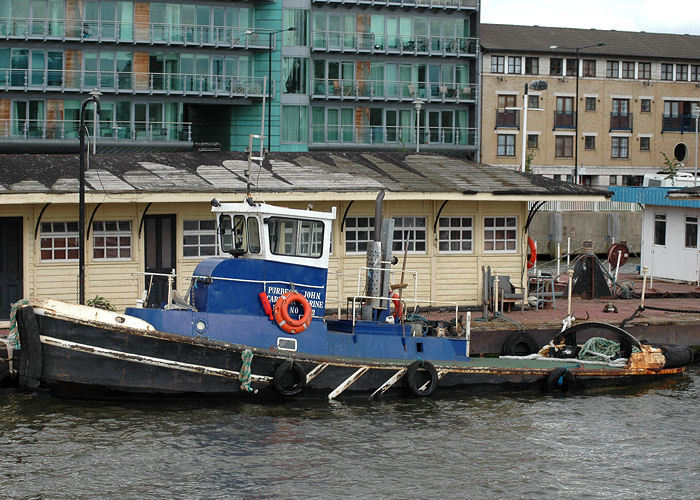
[(59, 241), (409, 234), (500, 234), (111, 240), (455, 234), (199, 238), (691, 232), (295, 237), (359, 232), (659, 229)]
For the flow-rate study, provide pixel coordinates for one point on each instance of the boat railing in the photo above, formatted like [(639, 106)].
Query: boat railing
[(392, 274), (355, 299)]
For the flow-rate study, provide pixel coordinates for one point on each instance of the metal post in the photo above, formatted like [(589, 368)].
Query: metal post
[(644, 285), (269, 93), (571, 285), (578, 66), (696, 114), (468, 332), (418, 103), (525, 106)]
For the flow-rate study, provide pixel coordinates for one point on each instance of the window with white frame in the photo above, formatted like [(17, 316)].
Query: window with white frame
[(358, 232), (409, 234), (497, 64), (691, 232), (199, 238), (620, 147), (505, 145), (455, 234), (111, 240), (500, 234), (59, 241), (514, 65)]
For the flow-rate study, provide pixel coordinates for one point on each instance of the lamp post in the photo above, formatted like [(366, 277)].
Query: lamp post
[(534, 85), (269, 79), (578, 71), (418, 103), (94, 97), (696, 114)]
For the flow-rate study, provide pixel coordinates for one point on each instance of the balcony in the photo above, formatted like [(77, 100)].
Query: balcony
[(382, 90), (507, 118), (679, 123), (619, 121), (73, 30), (118, 82), (387, 137), (564, 119), (372, 43), (424, 4)]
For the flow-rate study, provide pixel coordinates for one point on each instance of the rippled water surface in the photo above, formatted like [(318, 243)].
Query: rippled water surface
[(617, 443)]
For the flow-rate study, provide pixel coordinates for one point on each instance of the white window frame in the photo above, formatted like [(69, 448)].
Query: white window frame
[(691, 221), (446, 234), (661, 219), (123, 230), (415, 233), (352, 228), (198, 233), (491, 225), (53, 231)]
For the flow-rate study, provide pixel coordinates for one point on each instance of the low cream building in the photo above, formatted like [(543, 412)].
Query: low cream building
[(150, 213)]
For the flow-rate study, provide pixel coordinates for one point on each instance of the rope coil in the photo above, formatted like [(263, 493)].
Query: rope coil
[(244, 375), (13, 337)]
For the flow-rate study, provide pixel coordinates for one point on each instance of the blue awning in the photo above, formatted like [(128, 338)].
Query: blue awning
[(650, 196)]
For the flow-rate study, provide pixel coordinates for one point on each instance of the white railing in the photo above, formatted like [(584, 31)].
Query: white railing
[(436, 4), (349, 41), (398, 135), (588, 206), (386, 90)]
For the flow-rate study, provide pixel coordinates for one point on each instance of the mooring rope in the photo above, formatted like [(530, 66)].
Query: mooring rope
[(244, 375), (13, 337)]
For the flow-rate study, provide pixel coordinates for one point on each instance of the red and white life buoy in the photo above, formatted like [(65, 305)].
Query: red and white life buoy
[(533, 253), (284, 320), (398, 309)]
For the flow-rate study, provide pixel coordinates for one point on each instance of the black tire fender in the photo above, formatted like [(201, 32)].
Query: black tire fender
[(676, 355), (560, 380), (413, 383), (516, 344), (282, 385)]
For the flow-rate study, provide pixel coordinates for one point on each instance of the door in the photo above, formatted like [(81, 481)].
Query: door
[(159, 246), (10, 263)]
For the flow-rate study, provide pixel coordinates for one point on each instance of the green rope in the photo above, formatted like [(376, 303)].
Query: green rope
[(13, 337), (597, 348), (244, 375)]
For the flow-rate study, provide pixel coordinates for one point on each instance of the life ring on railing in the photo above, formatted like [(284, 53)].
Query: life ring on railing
[(398, 309), (284, 320), (533, 253)]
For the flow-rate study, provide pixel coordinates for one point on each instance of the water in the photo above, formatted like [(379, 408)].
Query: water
[(613, 443)]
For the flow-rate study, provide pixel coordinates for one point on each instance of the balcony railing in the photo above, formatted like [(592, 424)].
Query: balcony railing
[(116, 82), (383, 90), (507, 118), (430, 4), (151, 131), (131, 32), (393, 135), (372, 43), (564, 119), (681, 123), (620, 121)]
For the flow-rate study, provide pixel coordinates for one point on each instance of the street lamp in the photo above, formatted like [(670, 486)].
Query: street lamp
[(578, 70), (418, 103), (269, 79), (94, 97), (534, 85), (695, 113)]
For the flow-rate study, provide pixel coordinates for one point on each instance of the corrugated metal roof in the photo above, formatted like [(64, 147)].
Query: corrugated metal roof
[(650, 196)]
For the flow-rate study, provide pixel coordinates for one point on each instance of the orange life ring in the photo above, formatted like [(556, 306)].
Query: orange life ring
[(533, 253), (281, 312), (398, 309)]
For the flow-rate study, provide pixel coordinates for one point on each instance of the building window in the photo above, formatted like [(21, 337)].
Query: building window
[(533, 101), (691, 232), (620, 146), (359, 231), (298, 19), (556, 66), (506, 145), (682, 72), (644, 143), (409, 234), (589, 142), (588, 68), (533, 141), (632, 180), (590, 103), (514, 65), (500, 234), (612, 69), (455, 234), (645, 106), (666, 71), (613, 180), (296, 121), (111, 240), (628, 70), (644, 71), (497, 64), (659, 229), (571, 67), (532, 65), (199, 238), (59, 241), (695, 73), (564, 146), (295, 71)]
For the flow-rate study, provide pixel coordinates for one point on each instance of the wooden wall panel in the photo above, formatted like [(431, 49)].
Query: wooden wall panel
[(141, 70), (142, 15), (4, 117), (73, 64), (54, 118)]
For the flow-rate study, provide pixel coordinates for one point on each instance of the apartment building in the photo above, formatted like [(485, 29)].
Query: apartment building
[(615, 102), (383, 74)]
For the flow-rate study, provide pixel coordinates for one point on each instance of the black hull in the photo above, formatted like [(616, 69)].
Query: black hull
[(88, 361)]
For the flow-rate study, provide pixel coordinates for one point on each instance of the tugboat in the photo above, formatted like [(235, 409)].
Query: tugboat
[(252, 325)]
